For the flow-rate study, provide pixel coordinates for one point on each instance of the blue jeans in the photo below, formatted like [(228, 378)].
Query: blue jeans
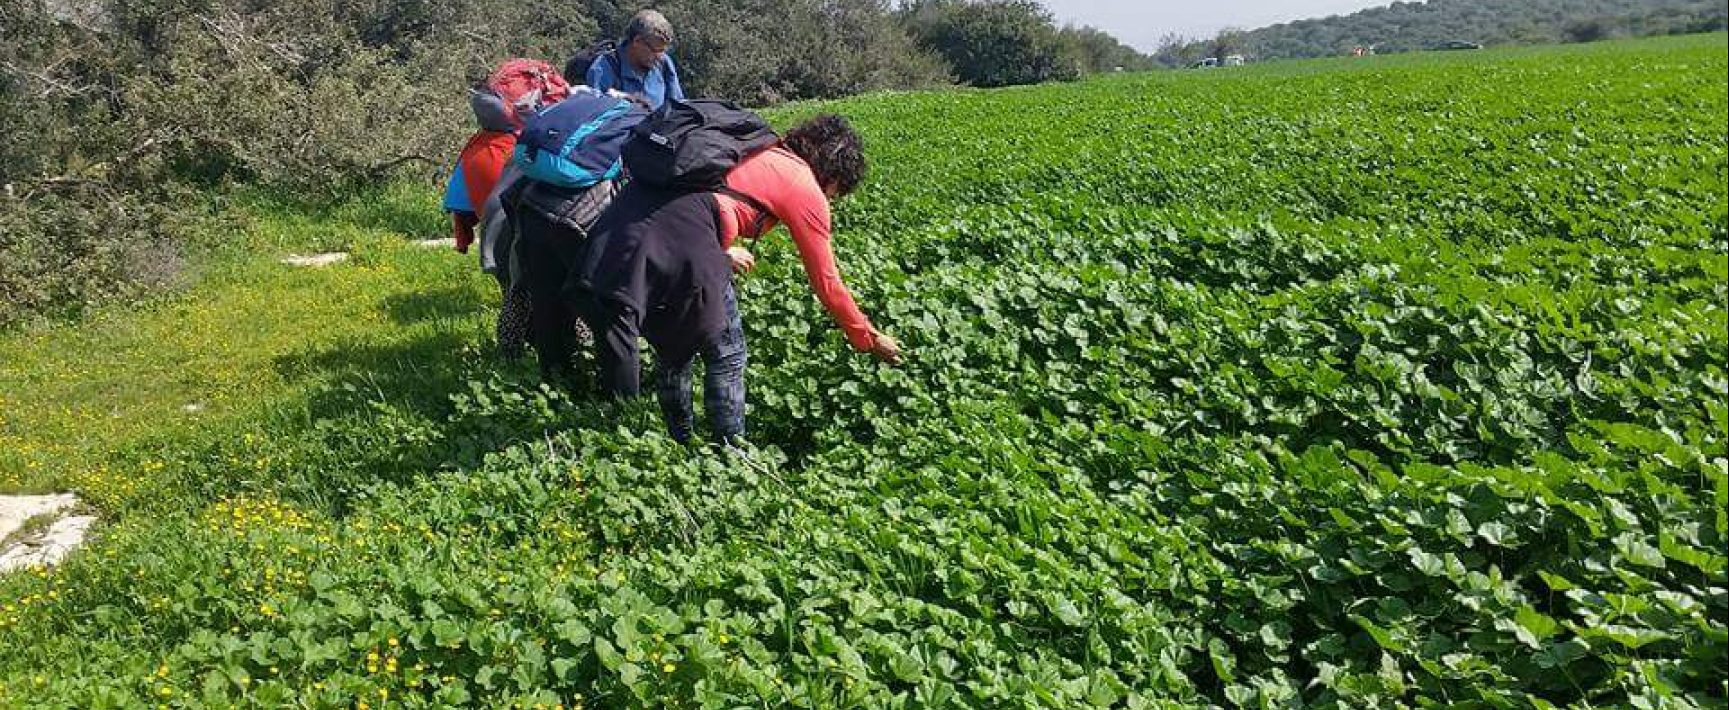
[(723, 360)]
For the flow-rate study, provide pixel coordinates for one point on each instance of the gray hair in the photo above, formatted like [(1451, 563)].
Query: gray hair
[(647, 23)]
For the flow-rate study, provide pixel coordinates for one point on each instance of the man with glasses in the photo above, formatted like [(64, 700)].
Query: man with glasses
[(640, 66)]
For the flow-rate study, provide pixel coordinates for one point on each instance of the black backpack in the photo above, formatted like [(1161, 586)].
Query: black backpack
[(576, 70), (690, 145)]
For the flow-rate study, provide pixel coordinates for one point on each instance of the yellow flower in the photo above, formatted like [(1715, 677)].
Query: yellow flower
[(668, 668)]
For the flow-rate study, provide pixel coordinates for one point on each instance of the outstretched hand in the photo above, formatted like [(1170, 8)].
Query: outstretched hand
[(886, 349)]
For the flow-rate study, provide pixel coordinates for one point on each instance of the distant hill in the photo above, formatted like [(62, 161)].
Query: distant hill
[(1407, 26)]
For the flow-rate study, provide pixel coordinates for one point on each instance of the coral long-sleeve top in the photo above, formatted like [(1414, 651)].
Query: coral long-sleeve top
[(783, 183)]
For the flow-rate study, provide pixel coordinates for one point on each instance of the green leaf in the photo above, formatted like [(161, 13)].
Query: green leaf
[(573, 632), (447, 634), (625, 631), (1069, 614), (1556, 582), (1495, 533), (1558, 655), (630, 675), (1224, 664), (1104, 690), (1432, 565), (1383, 637), (485, 677), (1276, 635), (607, 654), (1636, 550), (906, 667), (1530, 626), (1627, 636), (346, 605)]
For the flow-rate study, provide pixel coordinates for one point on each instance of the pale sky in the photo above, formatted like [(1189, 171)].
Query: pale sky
[(1140, 23)]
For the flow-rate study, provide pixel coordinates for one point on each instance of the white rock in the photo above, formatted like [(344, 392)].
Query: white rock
[(47, 546), (14, 510), (316, 259), (61, 537)]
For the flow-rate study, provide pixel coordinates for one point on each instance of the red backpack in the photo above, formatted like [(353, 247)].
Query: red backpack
[(527, 86)]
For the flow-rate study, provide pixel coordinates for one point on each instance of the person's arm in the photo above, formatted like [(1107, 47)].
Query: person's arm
[(807, 218), (462, 229), (674, 89)]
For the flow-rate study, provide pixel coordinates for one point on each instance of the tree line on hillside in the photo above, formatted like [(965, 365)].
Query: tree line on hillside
[(114, 110), (1413, 26)]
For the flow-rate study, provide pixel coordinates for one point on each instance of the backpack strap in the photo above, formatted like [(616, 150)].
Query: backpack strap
[(762, 210)]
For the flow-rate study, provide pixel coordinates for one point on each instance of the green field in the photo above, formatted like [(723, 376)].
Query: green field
[(1378, 383)]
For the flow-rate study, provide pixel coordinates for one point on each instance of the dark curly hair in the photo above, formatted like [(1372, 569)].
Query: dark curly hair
[(833, 150)]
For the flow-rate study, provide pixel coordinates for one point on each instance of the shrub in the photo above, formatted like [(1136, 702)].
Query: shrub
[(994, 42)]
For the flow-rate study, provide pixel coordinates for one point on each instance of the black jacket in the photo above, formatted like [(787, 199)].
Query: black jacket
[(657, 255)]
